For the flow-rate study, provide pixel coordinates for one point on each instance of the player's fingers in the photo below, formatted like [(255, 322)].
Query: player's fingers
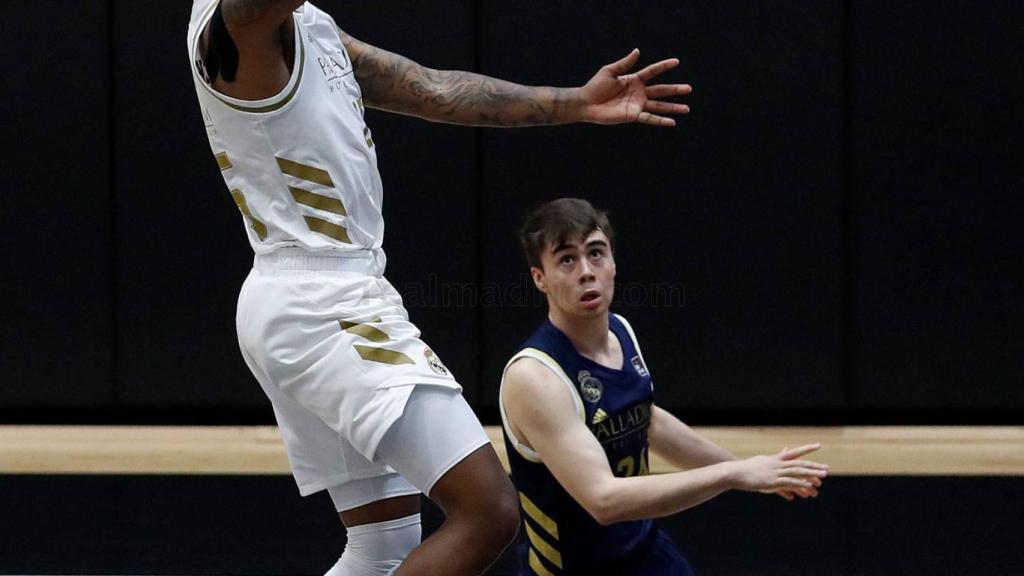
[(791, 483), (668, 90), (801, 472), (808, 492), (807, 464), (657, 68), (623, 66), (786, 494), (655, 120), (666, 107), (794, 453)]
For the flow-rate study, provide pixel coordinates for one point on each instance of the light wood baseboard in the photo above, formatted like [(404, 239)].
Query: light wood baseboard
[(850, 451)]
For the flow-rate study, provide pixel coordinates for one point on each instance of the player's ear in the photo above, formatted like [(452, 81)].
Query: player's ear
[(538, 278)]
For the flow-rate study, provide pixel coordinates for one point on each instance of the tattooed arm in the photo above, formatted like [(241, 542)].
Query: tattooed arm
[(397, 84)]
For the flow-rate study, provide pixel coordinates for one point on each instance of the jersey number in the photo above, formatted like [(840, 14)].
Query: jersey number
[(627, 466)]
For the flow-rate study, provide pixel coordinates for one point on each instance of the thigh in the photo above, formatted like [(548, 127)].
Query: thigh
[(436, 431), (340, 348)]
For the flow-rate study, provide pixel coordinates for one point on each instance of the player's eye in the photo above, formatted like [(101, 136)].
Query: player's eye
[(596, 253), (566, 260)]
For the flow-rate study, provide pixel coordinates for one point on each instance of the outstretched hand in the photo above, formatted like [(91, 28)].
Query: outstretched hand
[(791, 494), (784, 473), (614, 96)]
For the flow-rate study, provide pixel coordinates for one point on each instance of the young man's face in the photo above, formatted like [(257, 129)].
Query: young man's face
[(578, 276)]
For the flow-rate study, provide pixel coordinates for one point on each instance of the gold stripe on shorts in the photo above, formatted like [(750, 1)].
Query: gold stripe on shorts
[(382, 355)]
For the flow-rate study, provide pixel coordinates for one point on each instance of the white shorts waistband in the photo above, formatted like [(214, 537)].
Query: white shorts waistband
[(370, 262)]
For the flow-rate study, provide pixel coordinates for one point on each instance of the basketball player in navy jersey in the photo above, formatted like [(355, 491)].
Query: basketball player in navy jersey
[(579, 416)]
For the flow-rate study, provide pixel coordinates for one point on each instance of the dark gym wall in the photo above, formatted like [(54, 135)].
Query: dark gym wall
[(829, 237), (55, 208), (936, 173)]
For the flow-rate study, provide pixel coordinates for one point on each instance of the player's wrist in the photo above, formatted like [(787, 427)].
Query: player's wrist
[(574, 106)]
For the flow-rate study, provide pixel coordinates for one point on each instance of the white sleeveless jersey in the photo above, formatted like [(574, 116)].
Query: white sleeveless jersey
[(301, 165)]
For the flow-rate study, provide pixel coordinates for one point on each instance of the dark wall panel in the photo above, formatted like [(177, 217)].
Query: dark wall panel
[(733, 217), (182, 251), (937, 103), (55, 198)]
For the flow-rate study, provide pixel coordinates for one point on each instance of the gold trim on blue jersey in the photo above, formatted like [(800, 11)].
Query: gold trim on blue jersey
[(543, 547), (538, 516), (537, 566), (539, 355)]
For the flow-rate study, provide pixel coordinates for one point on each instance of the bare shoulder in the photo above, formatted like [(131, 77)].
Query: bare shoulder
[(529, 383)]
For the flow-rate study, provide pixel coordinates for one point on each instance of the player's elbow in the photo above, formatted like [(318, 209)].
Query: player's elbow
[(604, 504)]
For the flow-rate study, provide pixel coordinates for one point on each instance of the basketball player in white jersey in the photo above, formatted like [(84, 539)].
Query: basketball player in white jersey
[(366, 410)]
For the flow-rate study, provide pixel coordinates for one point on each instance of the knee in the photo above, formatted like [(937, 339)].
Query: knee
[(503, 516), (490, 519)]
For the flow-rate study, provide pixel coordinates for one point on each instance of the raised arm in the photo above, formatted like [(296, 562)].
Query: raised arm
[(397, 84), (541, 411)]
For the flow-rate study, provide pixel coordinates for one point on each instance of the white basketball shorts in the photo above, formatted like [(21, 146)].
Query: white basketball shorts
[(331, 345)]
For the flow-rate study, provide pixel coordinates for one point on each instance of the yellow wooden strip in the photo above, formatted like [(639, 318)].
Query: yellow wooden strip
[(538, 516), (541, 545), (856, 450)]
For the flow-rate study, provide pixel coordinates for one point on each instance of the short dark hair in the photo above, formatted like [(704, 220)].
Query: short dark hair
[(558, 221)]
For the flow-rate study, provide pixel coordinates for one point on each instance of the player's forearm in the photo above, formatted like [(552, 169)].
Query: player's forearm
[(655, 496), (680, 445), (397, 84), (466, 98)]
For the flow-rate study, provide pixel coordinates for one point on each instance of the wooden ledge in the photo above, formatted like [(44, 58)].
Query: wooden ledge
[(851, 451)]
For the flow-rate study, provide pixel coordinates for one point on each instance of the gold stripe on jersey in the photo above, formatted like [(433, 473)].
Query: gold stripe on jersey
[(223, 161), (325, 203), (304, 172), (540, 545), (535, 513), (243, 206), (366, 331), (326, 228), (382, 356), (537, 566)]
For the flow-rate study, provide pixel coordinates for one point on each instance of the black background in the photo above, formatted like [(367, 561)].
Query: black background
[(837, 219)]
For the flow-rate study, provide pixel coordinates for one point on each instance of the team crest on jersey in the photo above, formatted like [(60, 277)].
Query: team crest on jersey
[(435, 363), (638, 365), (590, 388)]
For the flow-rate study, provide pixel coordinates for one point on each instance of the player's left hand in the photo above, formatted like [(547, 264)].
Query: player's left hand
[(791, 494), (614, 96)]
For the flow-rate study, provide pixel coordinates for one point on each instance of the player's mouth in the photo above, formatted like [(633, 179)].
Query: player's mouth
[(591, 299)]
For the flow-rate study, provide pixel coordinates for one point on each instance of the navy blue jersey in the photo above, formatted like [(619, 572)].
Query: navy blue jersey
[(559, 536)]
